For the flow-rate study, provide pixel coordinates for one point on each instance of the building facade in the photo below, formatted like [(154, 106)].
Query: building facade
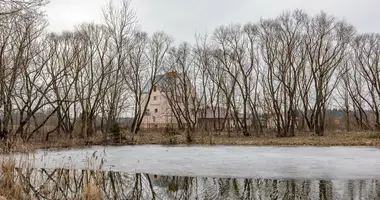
[(159, 112)]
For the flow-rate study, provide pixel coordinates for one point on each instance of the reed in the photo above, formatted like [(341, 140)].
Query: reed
[(19, 180), (201, 138)]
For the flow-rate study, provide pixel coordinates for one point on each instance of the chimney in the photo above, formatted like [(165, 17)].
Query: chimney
[(172, 74)]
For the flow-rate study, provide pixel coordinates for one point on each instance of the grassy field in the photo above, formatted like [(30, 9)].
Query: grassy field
[(157, 138)]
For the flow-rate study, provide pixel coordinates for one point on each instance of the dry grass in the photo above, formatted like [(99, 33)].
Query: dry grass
[(18, 180), (92, 192), (331, 139), (158, 138), (58, 143), (8, 187)]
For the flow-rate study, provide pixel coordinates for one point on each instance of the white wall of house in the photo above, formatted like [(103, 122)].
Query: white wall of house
[(159, 111), (160, 114)]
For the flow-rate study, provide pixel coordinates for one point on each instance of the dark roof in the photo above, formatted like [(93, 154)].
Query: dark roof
[(127, 121), (159, 79), (148, 85)]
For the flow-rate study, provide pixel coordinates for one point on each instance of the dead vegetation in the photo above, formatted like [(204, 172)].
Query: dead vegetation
[(180, 138), (19, 180), (331, 139), (175, 137), (8, 188)]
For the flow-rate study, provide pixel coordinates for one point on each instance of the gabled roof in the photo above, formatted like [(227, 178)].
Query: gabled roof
[(148, 85), (158, 79)]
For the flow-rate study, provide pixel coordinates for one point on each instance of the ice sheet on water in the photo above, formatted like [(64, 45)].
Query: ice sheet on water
[(223, 161)]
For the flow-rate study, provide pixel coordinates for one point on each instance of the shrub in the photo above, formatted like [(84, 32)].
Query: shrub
[(171, 131), (115, 128), (115, 132)]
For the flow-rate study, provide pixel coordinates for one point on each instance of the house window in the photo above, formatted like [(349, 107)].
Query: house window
[(154, 88), (154, 119), (147, 112), (156, 110), (154, 98)]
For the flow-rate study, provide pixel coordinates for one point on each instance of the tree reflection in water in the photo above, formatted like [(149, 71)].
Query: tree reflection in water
[(88, 184)]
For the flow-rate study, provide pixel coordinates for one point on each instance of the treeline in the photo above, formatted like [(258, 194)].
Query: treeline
[(291, 69)]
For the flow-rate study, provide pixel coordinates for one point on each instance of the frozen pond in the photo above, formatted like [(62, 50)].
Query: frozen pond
[(85, 184), (199, 172), (328, 163)]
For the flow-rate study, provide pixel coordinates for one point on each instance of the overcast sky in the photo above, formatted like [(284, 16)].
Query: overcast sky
[(183, 18)]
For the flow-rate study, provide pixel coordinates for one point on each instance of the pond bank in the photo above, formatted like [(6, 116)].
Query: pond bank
[(156, 138)]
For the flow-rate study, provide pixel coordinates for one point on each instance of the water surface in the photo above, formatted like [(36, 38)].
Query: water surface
[(79, 184), (344, 163), (198, 172)]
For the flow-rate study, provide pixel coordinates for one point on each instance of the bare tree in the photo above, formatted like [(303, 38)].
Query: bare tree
[(239, 58), (366, 50), (355, 86), (146, 59), (94, 73), (284, 55), (60, 69), (213, 87), (326, 46), (343, 94), (19, 49), (180, 89), (225, 89), (121, 23), (205, 62), (32, 89), (12, 7)]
